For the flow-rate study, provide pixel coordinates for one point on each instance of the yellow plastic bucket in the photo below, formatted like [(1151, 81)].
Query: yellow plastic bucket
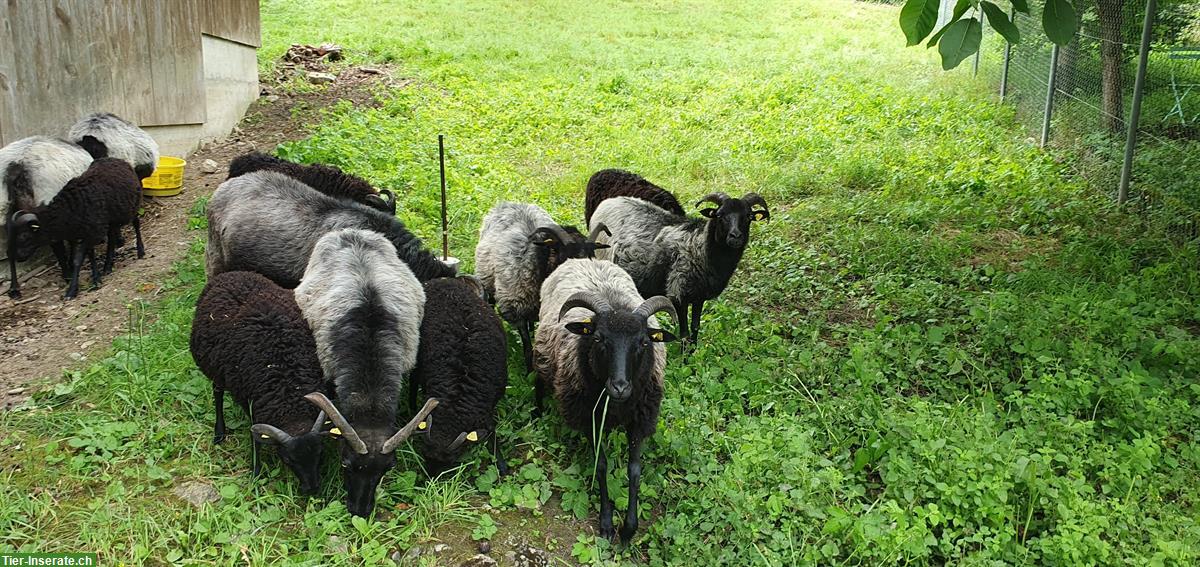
[(167, 179)]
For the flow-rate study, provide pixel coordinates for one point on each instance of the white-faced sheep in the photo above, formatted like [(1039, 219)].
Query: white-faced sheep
[(462, 363), (688, 260), (89, 210), (32, 171), (107, 135), (250, 339), (268, 222), (608, 183), (599, 347), (365, 309), (519, 245), (324, 178)]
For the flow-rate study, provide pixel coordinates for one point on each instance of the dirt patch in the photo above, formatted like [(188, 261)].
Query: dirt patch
[(41, 334)]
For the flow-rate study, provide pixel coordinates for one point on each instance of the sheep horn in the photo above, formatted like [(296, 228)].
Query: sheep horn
[(23, 217), (348, 433), (554, 229), (587, 300), (319, 423), (717, 198), (388, 197), (596, 230), (407, 431), (654, 305), (458, 441), (752, 199), (261, 430)]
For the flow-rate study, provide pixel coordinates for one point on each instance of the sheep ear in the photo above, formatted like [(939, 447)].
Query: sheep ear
[(760, 214), (708, 213), (585, 327), (661, 336)]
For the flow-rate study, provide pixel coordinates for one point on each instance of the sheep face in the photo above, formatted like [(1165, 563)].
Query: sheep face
[(302, 454), (444, 446), (617, 347), (361, 473), (729, 220), (557, 244), (24, 235)]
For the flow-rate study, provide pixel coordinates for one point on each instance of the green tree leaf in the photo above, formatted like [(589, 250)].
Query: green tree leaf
[(960, 41), (959, 9), (1000, 22), (1060, 21), (917, 19), (1021, 6)]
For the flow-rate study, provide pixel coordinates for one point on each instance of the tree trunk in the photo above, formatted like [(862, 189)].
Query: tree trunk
[(1112, 52)]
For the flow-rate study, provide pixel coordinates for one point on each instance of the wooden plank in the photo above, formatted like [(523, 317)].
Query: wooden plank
[(176, 64), (8, 132), (234, 20)]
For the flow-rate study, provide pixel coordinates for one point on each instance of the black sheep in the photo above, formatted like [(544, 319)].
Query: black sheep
[(250, 339), (324, 178), (608, 183), (462, 363), (89, 210)]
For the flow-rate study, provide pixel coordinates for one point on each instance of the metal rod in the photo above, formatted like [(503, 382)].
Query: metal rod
[(1135, 113), (442, 170), (1050, 96), (979, 51), (1007, 60)]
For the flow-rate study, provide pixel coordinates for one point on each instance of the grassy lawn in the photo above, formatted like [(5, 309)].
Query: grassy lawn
[(938, 350)]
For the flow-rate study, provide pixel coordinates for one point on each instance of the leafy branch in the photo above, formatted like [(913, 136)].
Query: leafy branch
[(959, 38)]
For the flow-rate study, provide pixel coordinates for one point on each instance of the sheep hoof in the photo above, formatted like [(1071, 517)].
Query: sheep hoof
[(217, 439), (14, 293), (627, 534), (607, 532)]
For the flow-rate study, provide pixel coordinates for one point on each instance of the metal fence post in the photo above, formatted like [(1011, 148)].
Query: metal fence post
[(1007, 60), (1050, 95), (1135, 112)]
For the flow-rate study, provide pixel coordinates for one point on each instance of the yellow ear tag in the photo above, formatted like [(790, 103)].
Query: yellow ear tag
[(548, 241), (657, 336), (265, 436), (335, 431), (422, 425), (472, 436), (588, 320), (327, 422)]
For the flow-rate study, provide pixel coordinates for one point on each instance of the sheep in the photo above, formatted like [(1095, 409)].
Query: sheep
[(250, 339), (107, 135), (324, 178), (519, 245), (32, 171), (89, 210), (365, 307), (688, 260), (268, 223), (608, 183), (461, 362), (613, 354)]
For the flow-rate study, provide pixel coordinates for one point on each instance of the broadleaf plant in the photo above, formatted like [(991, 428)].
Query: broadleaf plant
[(958, 38)]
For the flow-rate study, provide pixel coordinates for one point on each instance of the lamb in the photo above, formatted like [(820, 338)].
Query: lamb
[(324, 178), (267, 222), (32, 171), (599, 347), (89, 210), (462, 362), (107, 135), (250, 339), (519, 245), (365, 308), (608, 183), (688, 260)]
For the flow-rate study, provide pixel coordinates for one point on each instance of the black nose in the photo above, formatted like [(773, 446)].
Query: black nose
[(620, 393)]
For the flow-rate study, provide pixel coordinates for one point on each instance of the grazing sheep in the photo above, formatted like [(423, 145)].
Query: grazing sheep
[(519, 245), (608, 183), (462, 363), (250, 339), (688, 260), (268, 222), (32, 171), (89, 210), (107, 135), (599, 347), (365, 309), (324, 178)]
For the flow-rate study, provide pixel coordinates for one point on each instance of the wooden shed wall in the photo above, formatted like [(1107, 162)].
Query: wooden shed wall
[(235, 20)]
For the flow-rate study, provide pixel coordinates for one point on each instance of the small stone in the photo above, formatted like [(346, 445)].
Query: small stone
[(16, 391), (318, 78), (479, 560), (271, 98), (485, 546), (410, 556), (440, 547), (528, 556), (209, 166), (81, 328), (87, 344), (337, 545), (370, 70), (77, 357), (197, 493)]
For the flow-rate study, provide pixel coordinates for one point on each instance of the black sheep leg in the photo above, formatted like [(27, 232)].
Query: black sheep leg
[(76, 265), (525, 329), (635, 482), (501, 466), (91, 254), (137, 233), (14, 288), (412, 396), (64, 261), (219, 405), (110, 249), (697, 307), (606, 505), (681, 309)]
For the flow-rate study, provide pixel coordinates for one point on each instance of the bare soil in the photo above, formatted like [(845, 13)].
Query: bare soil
[(41, 334)]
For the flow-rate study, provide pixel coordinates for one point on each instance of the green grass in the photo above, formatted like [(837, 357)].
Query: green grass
[(939, 350)]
